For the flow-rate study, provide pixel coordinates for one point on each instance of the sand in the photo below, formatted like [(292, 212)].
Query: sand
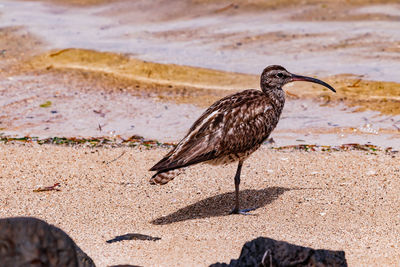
[(334, 200), (347, 200)]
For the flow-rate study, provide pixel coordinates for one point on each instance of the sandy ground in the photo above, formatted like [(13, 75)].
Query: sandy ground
[(339, 200)]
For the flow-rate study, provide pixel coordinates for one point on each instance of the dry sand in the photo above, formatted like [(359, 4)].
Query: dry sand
[(334, 200), (338, 200)]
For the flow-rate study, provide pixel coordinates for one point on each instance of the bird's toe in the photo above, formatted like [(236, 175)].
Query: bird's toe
[(242, 211)]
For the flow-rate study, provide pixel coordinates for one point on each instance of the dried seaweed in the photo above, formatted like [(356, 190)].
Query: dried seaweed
[(135, 140), (92, 142), (133, 236), (344, 147), (45, 104)]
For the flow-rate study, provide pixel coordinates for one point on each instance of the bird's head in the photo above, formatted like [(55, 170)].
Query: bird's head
[(275, 77)]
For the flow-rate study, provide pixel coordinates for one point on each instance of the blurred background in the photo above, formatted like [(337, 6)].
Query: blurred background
[(149, 68)]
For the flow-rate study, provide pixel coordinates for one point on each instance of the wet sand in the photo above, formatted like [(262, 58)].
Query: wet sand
[(332, 200), (364, 94), (76, 103)]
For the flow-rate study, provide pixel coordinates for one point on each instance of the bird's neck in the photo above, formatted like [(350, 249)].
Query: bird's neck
[(277, 96)]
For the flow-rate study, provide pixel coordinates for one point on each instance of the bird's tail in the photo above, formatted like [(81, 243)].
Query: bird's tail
[(164, 177)]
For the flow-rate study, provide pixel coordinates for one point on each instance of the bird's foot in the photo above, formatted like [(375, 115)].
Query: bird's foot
[(242, 212)]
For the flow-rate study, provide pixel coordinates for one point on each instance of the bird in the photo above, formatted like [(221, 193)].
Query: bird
[(231, 129)]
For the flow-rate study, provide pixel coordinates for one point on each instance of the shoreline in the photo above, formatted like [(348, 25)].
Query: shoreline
[(139, 141)]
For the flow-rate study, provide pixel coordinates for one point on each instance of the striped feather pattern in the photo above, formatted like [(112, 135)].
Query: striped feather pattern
[(229, 130), (164, 177)]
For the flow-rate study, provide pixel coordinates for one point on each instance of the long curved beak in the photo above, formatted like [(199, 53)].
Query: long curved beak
[(313, 80)]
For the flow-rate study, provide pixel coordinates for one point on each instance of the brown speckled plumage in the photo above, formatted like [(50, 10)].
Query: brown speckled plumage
[(232, 128)]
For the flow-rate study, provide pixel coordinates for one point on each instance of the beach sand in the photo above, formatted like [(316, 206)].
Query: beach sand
[(333, 200), (343, 200)]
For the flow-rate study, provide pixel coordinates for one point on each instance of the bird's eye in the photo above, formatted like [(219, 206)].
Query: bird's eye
[(279, 75)]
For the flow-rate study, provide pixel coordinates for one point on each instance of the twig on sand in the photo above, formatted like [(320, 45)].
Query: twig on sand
[(115, 158), (55, 187)]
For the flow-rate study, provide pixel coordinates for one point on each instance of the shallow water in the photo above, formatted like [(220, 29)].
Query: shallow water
[(242, 42)]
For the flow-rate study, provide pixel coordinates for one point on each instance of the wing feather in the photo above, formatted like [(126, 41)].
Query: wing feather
[(233, 124)]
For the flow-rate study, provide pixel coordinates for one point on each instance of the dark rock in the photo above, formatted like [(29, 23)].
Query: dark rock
[(26, 241), (270, 253)]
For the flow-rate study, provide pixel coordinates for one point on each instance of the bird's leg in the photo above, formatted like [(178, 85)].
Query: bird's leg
[(236, 209), (237, 183)]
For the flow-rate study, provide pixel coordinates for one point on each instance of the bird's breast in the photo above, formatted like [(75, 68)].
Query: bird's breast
[(234, 157)]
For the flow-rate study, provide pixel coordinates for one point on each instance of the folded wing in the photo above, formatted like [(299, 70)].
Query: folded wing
[(233, 124)]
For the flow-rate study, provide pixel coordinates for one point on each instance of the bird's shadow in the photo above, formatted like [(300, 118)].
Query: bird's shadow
[(221, 205)]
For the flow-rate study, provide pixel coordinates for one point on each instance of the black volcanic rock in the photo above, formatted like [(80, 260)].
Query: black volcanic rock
[(26, 241), (268, 252)]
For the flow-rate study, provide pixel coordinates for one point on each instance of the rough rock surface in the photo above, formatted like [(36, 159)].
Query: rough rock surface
[(269, 252), (27, 241)]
